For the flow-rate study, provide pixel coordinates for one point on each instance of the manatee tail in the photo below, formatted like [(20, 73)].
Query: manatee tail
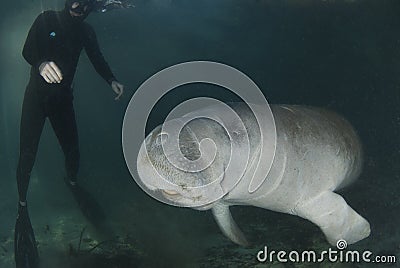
[(335, 217), (227, 225), (25, 248)]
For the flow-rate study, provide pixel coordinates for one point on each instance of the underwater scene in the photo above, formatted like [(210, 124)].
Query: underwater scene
[(204, 134)]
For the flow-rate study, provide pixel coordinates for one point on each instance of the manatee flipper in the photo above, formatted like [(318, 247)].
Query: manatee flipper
[(25, 248), (335, 217), (227, 225)]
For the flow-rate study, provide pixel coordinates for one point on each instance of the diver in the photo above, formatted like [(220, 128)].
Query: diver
[(52, 48)]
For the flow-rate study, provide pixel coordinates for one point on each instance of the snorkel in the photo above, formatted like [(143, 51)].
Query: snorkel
[(107, 5), (80, 9)]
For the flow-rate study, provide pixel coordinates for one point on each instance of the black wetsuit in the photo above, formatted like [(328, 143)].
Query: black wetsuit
[(54, 36)]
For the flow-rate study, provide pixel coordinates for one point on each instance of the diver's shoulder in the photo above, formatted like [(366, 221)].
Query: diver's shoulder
[(48, 13), (87, 27)]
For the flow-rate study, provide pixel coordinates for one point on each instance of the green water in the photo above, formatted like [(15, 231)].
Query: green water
[(341, 55)]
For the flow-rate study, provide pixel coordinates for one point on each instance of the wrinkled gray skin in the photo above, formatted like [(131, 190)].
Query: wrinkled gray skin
[(317, 152)]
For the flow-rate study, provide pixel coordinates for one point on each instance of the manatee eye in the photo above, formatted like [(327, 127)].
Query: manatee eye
[(161, 139)]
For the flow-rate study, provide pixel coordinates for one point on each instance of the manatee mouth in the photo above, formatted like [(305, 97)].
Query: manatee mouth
[(173, 196), (170, 193)]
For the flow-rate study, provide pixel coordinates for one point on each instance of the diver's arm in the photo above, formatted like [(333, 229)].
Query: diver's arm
[(93, 51), (32, 51), (96, 57)]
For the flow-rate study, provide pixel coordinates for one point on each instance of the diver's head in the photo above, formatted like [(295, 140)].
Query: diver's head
[(79, 9)]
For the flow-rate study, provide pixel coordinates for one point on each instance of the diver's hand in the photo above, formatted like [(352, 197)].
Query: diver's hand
[(50, 72), (118, 88)]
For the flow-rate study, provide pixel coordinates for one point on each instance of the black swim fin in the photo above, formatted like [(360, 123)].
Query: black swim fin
[(25, 247), (89, 206)]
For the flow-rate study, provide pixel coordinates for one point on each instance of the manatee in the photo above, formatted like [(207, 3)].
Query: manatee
[(317, 153)]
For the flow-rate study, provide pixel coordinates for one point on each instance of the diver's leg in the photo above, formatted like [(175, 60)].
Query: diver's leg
[(32, 122), (64, 124)]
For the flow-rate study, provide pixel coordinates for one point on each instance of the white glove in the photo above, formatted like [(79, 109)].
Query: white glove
[(118, 88), (50, 72)]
